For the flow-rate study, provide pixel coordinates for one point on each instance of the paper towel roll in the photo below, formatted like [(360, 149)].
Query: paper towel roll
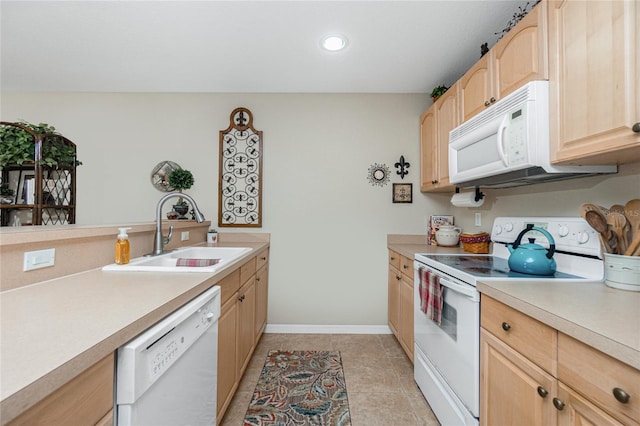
[(466, 199)]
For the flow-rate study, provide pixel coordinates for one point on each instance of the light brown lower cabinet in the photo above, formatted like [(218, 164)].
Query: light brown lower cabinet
[(509, 385), (405, 330), (242, 321), (262, 293), (85, 400), (578, 385), (400, 300)]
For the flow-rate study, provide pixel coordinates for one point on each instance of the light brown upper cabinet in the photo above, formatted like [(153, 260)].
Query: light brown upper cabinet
[(594, 81), (435, 125), (518, 57)]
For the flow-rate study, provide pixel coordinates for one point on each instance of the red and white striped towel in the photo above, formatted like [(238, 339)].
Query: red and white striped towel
[(430, 295), (196, 262)]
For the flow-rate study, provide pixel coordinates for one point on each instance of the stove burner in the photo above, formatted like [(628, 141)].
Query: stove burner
[(490, 266)]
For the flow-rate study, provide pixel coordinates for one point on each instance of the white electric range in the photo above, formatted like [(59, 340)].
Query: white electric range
[(447, 355)]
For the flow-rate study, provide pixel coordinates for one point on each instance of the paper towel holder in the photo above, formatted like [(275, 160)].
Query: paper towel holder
[(479, 195)]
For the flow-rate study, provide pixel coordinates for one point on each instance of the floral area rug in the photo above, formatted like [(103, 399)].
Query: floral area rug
[(300, 388)]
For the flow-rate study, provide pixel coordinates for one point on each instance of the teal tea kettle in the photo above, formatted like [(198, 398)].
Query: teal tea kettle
[(532, 258)]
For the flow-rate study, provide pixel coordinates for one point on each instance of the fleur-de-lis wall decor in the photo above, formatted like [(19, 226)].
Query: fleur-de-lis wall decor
[(402, 167)]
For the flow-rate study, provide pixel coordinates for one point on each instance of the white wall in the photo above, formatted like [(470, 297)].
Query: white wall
[(328, 225)]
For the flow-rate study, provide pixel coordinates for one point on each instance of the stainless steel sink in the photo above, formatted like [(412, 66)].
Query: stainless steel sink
[(168, 262)]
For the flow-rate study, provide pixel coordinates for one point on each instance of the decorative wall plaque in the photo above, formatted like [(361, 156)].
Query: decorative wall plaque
[(240, 172)]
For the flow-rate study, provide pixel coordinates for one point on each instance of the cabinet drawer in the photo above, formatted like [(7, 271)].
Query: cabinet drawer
[(526, 335), (229, 285), (596, 375), (394, 259), (247, 270), (406, 266), (262, 259)]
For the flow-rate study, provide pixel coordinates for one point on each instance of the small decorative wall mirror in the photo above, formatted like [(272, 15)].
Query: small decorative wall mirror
[(160, 175), (378, 174), (240, 172)]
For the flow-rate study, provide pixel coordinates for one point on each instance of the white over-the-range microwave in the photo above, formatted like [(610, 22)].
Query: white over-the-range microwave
[(507, 144)]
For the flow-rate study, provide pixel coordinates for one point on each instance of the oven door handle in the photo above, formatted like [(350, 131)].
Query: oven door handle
[(467, 290)]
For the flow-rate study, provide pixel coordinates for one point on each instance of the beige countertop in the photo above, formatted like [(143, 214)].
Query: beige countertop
[(53, 330), (605, 318)]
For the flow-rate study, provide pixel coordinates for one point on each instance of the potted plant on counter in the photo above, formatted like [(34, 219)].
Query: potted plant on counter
[(181, 179)]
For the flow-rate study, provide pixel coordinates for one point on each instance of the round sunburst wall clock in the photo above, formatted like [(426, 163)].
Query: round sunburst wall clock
[(240, 172)]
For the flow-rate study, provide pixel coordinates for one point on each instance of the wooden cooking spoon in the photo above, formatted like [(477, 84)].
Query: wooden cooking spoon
[(618, 208), (598, 222), (588, 207), (617, 222), (632, 213)]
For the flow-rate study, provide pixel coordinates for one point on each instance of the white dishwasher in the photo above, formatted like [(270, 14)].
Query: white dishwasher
[(168, 374)]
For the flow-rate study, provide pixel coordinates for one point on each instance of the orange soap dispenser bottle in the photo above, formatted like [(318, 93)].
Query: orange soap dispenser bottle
[(123, 248)]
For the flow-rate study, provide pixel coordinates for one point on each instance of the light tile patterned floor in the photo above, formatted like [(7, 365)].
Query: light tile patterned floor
[(379, 378)]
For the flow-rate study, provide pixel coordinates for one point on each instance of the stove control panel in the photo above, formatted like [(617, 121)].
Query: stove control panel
[(571, 234)]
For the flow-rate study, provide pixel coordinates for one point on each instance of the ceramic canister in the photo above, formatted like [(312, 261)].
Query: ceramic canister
[(448, 235)]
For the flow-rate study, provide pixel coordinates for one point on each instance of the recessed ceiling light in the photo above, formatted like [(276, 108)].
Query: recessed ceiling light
[(333, 43)]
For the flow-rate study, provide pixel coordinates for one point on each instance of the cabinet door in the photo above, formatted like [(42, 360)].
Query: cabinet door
[(394, 300), (262, 301), (246, 323), (86, 399), (227, 355), (513, 390), (594, 81), (406, 316), (428, 150), (576, 410), (447, 119), (475, 88), (521, 55)]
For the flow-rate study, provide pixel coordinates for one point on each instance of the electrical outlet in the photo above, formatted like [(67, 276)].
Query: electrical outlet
[(38, 259), (478, 219), (184, 236)]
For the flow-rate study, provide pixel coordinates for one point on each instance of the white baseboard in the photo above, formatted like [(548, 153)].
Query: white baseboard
[(327, 329)]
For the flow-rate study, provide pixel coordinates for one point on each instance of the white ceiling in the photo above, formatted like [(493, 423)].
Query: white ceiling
[(243, 46)]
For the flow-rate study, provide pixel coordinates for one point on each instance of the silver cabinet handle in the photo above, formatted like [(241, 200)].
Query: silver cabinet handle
[(558, 404), (621, 395), (636, 127), (542, 392), (506, 326)]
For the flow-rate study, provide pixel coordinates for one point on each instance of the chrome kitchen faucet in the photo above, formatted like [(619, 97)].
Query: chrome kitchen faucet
[(160, 240)]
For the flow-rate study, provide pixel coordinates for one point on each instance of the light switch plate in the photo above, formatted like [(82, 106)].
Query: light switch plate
[(184, 236), (478, 219), (39, 259)]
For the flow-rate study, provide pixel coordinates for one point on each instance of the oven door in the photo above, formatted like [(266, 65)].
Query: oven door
[(453, 347)]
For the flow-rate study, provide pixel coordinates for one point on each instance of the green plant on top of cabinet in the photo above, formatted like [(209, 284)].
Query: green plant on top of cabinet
[(594, 80), (517, 58), (435, 125)]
